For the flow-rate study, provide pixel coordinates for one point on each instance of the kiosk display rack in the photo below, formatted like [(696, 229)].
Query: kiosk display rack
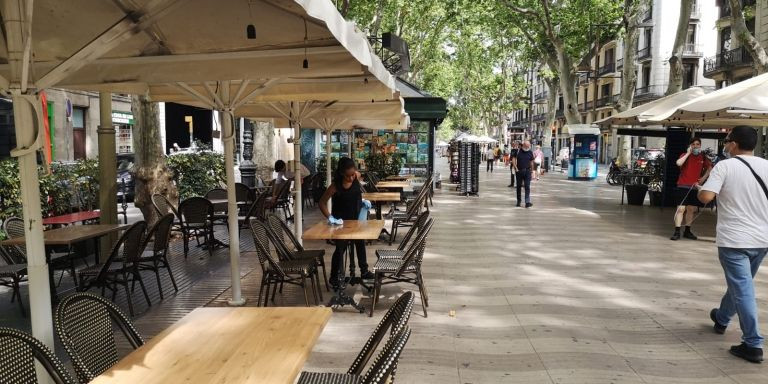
[(453, 156), (469, 168)]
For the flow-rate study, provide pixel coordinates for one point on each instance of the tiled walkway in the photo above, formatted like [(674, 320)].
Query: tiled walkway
[(577, 289)]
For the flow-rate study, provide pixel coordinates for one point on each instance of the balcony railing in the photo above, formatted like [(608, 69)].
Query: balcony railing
[(586, 106), (692, 50), (606, 69), (559, 113), (648, 15), (606, 101), (644, 53), (649, 92), (583, 79), (541, 95), (539, 117), (619, 64), (735, 58)]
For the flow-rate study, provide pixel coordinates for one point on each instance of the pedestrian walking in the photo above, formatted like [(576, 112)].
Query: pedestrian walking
[(512, 155), (523, 167), (490, 158), (742, 223), (538, 157), (694, 170)]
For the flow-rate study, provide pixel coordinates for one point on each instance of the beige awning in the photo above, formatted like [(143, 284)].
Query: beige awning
[(650, 113), (744, 103)]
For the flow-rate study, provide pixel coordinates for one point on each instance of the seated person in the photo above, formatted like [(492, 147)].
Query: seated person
[(283, 175)]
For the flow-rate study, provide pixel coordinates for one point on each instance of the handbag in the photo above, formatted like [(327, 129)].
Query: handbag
[(759, 180)]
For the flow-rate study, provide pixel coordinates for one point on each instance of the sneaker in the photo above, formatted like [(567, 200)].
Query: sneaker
[(719, 329), (518, 204), (751, 354), (367, 275), (510, 186), (675, 236), (690, 235), (528, 205)]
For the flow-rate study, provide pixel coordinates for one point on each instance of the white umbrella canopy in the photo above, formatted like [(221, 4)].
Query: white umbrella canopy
[(486, 139), (648, 113), (744, 103), (133, 46)]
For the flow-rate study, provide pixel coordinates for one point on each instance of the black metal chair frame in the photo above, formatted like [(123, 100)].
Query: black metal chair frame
[(19, 363), (278, 230), (399, 253), (14, 227), (79, 326), (276, 272), (199, 225), (159, 235), (105, 276), (283, 200), (406, 270), (12, 274), (410, 215)]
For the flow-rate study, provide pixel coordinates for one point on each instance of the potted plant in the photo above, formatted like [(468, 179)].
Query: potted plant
[(636, 185)]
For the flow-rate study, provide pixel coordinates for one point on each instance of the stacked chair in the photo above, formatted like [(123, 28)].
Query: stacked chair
[(196, 216), (18, 353), (13, 271), (277, 271), (84, 324), (404, 219), (384, 366), (156, 257), (121, 266), (289, 247), (405, 269)]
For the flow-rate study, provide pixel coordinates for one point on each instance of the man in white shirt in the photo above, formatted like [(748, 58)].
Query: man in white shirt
[(490, 158), (742, 235)]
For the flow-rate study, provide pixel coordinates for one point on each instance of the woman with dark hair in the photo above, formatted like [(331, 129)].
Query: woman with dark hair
[(346, 193)]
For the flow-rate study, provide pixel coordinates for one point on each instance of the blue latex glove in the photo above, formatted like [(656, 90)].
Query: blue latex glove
[(334, 221), (367, 204)]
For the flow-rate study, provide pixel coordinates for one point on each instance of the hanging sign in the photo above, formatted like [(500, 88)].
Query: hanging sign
[(122, 117)]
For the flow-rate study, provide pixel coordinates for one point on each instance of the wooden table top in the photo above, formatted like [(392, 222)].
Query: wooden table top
[(400, 177), (393, 184), (225, 345), (71, 218), (72, 234), (350, 230), (382, 196)]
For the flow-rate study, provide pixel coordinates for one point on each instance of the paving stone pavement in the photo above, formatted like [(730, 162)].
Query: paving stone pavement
[(576, 289)]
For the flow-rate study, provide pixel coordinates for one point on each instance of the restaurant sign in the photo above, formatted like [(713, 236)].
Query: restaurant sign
[(122, 117)]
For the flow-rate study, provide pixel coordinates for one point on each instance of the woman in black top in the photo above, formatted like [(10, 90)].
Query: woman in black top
[(347, 199)]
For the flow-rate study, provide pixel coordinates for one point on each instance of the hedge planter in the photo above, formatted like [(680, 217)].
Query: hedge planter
[(655, 197), (636, 194)]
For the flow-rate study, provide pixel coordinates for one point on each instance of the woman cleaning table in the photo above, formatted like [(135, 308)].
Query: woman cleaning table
[(346, 195)]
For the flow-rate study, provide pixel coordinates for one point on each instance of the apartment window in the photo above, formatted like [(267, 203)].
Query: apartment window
[(648, 36), (607, 89), (690, 38), (78, 132), (689, 75), (609, 56), (725, 39), (646, 76)]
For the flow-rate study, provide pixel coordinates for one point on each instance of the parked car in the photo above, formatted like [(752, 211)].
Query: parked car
[(125, 174), (641, 156)]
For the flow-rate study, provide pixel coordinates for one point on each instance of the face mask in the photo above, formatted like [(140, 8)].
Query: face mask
[(696, 151), (526, 150)]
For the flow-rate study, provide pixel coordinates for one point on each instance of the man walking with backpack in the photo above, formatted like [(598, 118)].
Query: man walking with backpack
[(742, 224)]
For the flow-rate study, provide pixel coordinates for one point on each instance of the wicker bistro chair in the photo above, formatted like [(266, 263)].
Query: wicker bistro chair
[(393, 322), (84, 324), (399, 253), (276, 271), (381, 371), (403, 219), (163, 206), (291, 249), (283, 200), (257, 210), (12, 274), (196, 214), (18, 353), (406, 270), (121, 267), (157, 257), (243, 195), (219, 210), (58, 261)]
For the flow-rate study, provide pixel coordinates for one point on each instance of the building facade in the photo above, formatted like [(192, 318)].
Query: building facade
[(598, 93)]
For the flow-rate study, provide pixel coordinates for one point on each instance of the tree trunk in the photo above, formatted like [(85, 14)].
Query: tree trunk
[(746, 39), (551, 113), (676, 60), (632, 11), (151, 173), (376, 24), (568, 80)]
